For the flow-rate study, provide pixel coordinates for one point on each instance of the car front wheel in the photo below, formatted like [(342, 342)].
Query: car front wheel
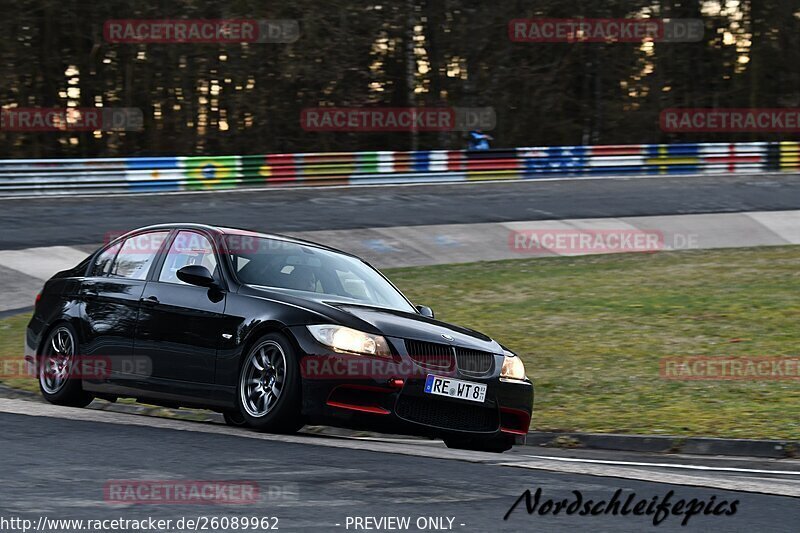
[(268, 394)]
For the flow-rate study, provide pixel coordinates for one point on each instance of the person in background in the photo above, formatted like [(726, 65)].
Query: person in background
[(478, 140)]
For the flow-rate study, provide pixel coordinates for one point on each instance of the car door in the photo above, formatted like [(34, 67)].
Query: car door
[(179, 326), (110, 296)]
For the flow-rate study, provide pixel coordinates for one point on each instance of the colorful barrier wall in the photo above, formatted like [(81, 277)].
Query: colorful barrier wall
[(145, 174)]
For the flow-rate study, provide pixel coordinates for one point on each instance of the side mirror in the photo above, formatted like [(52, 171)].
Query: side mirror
[(424, 310), (196, 275)]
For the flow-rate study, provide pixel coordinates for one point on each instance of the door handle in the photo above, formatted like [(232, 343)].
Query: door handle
[(89, 295), (150, 300)]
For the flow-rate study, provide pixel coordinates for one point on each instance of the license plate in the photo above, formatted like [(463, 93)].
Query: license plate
[(455, 388)]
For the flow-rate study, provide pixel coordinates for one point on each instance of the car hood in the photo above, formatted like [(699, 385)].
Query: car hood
[(376, 320), (393, 323)]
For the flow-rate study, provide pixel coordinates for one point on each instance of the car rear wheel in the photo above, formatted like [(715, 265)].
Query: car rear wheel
[(268, 394), (58, 364), (480, 444)]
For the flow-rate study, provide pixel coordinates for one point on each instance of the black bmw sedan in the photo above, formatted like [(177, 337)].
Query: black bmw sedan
[(274, 333)]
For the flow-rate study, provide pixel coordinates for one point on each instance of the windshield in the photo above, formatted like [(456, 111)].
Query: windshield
[(298, 268)]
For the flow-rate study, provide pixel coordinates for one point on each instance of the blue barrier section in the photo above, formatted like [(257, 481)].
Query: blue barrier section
[(153, 174)]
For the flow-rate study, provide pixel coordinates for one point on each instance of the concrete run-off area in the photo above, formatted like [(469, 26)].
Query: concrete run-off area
[(25, 270)]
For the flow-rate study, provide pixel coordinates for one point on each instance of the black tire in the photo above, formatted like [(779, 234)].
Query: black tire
[(56, 368), (258, 405), (480, 444)]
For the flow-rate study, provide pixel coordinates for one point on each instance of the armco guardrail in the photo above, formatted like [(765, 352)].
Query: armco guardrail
[(147, 174)]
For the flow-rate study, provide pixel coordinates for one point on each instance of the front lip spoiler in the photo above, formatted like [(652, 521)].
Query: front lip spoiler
[(375, 410)]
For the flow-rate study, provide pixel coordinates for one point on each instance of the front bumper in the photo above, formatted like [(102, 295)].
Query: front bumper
[(389, 396)]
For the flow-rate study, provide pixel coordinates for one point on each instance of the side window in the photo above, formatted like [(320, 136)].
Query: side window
[(188, 248), (102, 265), (137, 254)]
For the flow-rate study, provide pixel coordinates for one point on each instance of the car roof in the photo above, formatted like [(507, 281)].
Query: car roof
[(225, 230)]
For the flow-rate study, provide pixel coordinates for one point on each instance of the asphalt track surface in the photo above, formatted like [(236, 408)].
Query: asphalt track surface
[(57, 466), (57, 462), (69, 221)]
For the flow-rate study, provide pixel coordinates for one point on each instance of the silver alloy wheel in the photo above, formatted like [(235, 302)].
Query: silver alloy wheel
[(57, 361), (263, 378)]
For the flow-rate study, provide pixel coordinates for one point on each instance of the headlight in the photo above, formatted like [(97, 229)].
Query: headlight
[(512, 366), (349, 340)]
